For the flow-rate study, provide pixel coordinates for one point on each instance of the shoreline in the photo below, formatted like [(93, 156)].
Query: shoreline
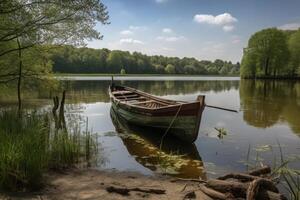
[(93, 184), (144, 75), (87, 183)]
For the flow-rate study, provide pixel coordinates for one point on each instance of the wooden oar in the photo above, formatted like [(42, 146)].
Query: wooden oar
[(221, 108)]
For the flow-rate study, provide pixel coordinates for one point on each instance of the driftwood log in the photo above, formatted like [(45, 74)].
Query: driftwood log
[(262, 171), (190, 195), (251, 186), (188, 179), (126, 190)]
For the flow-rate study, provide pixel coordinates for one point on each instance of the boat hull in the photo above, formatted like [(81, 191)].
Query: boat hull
[(184, 125)]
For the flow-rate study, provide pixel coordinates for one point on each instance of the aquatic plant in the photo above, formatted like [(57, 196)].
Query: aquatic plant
[(285, 175), (221, 132), (30, 146)]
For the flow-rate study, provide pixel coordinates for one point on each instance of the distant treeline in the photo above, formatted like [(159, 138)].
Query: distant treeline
[(272, 53), (69, 59)]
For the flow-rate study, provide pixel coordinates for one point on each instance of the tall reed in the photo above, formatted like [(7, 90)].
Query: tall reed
[(29, 146)]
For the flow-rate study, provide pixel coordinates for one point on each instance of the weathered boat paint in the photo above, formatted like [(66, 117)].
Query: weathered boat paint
[(181, 119)]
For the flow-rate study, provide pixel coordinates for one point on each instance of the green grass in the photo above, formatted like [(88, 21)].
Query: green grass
[(29, 147)]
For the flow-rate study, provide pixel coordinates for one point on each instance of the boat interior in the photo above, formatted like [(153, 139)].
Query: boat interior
[(137, 99)]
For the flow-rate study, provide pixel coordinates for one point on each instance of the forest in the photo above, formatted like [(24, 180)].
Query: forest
[(69, 59), (272, 53)]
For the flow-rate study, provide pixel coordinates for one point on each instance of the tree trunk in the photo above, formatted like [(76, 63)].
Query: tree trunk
[(61, 120), (267, 66), (19, 78)]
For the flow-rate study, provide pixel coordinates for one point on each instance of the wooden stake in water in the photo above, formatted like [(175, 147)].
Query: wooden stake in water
[(226, 109)]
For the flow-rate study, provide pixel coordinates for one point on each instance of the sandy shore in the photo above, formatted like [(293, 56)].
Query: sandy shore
[(92, 184)]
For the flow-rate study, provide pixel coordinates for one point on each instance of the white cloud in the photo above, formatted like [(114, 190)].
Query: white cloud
[(291, 26), (161, 1), (138, 28), (167, 30), (171, 39), (226, 20), (167, 49), (222, 19), (126, 32), (130, 41), (175, 38), (228, 28)]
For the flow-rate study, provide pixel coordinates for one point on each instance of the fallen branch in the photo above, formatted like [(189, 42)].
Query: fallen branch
[(239, 176), (187, 179), (125, 190), (254, 187), (190, 195), (236, 188), (212, 193), (250, 186), (261, 171), (268, 195)]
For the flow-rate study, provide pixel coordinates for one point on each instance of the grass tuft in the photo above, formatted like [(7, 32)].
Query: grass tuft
[(29, 147)]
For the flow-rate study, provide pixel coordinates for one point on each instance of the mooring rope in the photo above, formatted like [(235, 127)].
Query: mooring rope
[(173, 120)]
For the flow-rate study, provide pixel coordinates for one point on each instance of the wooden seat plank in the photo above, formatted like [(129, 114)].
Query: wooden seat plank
[(128, 96), (142, 102), (122, 92), (130, 99)]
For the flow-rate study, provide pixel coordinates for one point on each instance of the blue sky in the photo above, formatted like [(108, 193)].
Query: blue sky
[(204, 29)]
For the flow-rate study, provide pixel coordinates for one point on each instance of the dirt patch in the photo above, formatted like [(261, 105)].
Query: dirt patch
[(93, 184)]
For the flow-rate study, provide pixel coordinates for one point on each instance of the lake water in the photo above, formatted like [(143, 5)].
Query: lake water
[(268, 119)]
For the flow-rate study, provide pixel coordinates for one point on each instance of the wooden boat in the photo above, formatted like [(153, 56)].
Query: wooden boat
[(175, 118)]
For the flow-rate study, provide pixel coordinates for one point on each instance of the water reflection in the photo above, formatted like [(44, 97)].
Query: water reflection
[(270, 112), (173, 157), (95, 91), (266, 103)]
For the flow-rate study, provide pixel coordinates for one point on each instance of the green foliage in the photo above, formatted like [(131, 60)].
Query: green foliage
[(122, 71), (190, 69), (68, 59), (22, 151), (221, 132), (28, 27), (170, 69), (271, 53), (29, 147), (294, 48), (114, 61), (37, 22)]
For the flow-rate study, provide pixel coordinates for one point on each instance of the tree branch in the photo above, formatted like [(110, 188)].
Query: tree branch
[(16, 49)]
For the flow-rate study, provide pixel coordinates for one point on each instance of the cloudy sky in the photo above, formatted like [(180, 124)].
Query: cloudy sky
[(204, 29)]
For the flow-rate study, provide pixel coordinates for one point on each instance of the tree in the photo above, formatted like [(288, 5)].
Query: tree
[(69, 59), (267, 53), (248, 65), (170, 69), (114, 61), (39, 21), (159, 68), (27, 24), (189, 69), (122, 71), (294, 48)]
